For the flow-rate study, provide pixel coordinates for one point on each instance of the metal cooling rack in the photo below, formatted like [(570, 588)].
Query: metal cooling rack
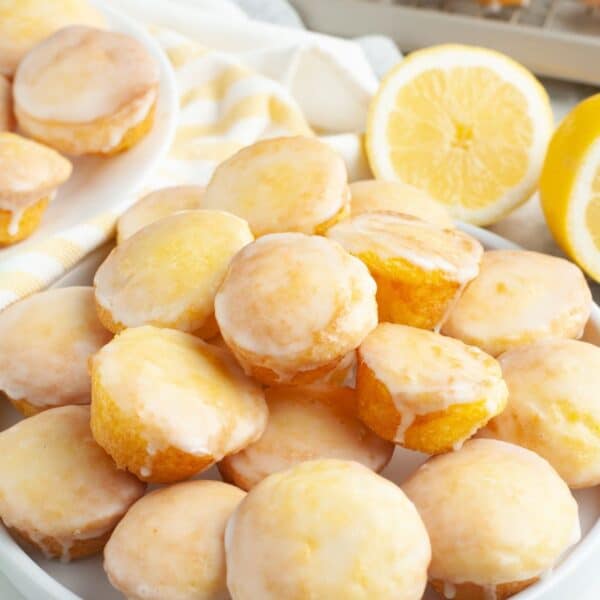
[(556, 38)]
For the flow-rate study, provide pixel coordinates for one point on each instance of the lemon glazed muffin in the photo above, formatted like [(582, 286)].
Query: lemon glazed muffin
[(283, 184), (6, 112), (24, 23), (425, 391), (377, 195), (60, 493), (553, 406), (170, 544), (47, 340), (420, 268), (157, 205), (306, 423), (29, 176), (519, 297), (292, 306), (165, 405), (498, 516), (86, 91), (168, 273), (326, 529)]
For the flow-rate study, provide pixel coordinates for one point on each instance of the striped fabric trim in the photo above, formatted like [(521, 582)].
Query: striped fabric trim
[(223, 107)]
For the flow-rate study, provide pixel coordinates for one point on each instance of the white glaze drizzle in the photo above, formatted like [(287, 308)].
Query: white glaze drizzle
[(392, 235), (489, 592), (15, 220), (449, 590)]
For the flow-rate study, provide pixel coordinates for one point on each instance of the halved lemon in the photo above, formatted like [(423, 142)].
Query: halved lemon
[(570, 186), (469, 126)]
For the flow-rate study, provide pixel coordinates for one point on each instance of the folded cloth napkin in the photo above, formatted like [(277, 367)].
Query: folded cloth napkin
[(238, 81)]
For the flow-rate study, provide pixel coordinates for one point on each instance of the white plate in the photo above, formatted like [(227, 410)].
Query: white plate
[(37, 578), (100, 184)]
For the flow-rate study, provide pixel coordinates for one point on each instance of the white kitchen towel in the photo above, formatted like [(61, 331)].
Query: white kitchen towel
[(330, 78), (381, 52), (279, 12)]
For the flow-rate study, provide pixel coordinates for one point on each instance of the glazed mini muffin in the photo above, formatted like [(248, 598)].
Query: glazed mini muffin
[(157, 205), (168, 273), (420, 268), (498, 516), (283, 184), (326, 529), (29, 176), (377, 195), (24, 23), (520, 297), (425, 391), (47, 340), (170, 544), (553, 406), (60, 493), (306, 423), (292, 306), (6, 112), (86, 91), (165, 405)]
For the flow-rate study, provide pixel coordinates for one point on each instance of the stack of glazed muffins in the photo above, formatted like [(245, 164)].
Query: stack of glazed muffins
[(294, 330), (67, 86)]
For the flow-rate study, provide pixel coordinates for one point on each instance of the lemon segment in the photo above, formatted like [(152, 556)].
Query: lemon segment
[(570, 186), (467, 125)]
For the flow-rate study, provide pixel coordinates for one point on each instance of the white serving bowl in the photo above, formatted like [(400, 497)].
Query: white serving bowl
[(37, 578)]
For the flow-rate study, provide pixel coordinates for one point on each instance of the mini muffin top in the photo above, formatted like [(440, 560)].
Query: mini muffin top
[(168, 273), (24, 23), (331, 528), (80, 74), (496, 513), (377, 195), (47, 340), (425, 372), (390, 236), (553, 406), (28, 171), (305, 423), (170, 543), (519, 297), (157, 205), (282, 184), (55, 479), (300, 300), (180, 391)]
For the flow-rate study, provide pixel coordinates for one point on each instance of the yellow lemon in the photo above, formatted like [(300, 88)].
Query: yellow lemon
[(467, 125), (570, 186)]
